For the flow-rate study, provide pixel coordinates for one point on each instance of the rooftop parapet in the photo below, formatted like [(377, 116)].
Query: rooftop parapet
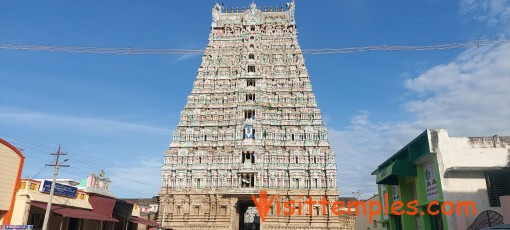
[(222, 14)]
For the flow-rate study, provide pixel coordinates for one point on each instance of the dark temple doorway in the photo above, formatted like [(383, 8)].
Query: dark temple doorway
[(249, 218)]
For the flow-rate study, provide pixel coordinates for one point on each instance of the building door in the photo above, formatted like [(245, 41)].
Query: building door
[(436, 222), (398, 223), (248, 216), (74, 224)]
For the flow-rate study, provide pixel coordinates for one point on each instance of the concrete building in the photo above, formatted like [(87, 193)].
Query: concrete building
[(88, 206), (68, 212), (251, 123), (11, 164), (147, 207), (449, 170), (363, 222)]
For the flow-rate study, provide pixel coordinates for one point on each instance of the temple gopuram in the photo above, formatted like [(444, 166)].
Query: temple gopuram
[(250, 124)]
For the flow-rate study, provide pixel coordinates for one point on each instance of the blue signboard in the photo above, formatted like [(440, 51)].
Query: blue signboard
[(60, 189), (5, 227)]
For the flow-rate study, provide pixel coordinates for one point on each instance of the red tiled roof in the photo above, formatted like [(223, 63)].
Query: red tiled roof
[(145, 222), (102, 205), (74, 212)]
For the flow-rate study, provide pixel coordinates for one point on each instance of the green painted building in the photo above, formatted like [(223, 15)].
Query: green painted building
[(434, 174)]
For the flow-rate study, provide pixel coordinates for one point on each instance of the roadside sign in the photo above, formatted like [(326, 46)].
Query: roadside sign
[(60, 189), (10, 227)]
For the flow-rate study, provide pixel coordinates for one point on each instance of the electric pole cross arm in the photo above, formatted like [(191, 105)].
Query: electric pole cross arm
[(57, 165)]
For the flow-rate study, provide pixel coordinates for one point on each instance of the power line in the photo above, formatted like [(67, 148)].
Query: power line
[(342, 50), (80, 165), (57, 165), (86, 164), (443, 46), (40, 171), (99, 50)]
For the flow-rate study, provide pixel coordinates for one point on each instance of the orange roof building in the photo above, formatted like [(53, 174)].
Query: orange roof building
[(11, 163)]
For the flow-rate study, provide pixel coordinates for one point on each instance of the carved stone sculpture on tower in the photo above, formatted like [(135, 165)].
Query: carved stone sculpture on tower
[(251, 123)]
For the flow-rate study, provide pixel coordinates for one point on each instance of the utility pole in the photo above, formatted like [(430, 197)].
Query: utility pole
[(357, 195), (52, 189)]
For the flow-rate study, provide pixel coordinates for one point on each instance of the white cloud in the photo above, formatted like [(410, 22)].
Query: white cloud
[(469, 96), (131, 177), (141, 177), (97, 125), (362, 146), (184, 58), (492, 12)]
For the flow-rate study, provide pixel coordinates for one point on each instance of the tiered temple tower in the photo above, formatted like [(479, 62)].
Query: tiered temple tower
[(251, 123)]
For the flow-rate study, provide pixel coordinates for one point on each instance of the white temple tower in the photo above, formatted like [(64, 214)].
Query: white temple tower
[(251, 123)]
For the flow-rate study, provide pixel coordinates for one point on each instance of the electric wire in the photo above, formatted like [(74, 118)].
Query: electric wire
[(80, 166), (40, 171), (74, 156), (319, 51), (91, 164)]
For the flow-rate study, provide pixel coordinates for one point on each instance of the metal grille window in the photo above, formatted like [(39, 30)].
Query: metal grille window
[(250, 97), (498, 185), (251, 69)]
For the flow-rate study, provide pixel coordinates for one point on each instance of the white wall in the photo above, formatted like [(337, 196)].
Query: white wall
[(468, 152), (9, 164)]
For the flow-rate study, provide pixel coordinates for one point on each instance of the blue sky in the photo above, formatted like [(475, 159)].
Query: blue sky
[(117, 111)]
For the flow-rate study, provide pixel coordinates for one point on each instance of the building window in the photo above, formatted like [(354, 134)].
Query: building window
[(198, 183), (251, 69), (497, 185), (247, 180), (251, 56), (250, 97), (248, 132), (249, 114), (37, 220), (250, 82), (248, 157), (252, 28)]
